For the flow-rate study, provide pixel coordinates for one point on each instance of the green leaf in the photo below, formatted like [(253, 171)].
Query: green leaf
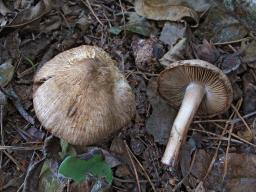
[(115, 30), (6, 73), (77, 169), (66, 149)]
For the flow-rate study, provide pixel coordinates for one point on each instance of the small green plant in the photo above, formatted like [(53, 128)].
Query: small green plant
[(76, 168)]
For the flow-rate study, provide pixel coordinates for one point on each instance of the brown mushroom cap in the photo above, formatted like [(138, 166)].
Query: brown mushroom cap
[(81, 96), (173, 81)]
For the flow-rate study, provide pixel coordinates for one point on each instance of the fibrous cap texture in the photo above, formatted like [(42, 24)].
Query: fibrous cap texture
[(81, 96)]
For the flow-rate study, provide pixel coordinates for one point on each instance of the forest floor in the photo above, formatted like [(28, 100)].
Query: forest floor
[(220, 152)]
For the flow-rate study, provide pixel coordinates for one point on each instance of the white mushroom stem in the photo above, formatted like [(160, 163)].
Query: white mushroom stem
[(193, 96)]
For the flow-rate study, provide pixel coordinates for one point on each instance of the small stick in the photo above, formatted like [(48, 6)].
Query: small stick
[(14, 161), (232, 42), (122, 9), (236, 136), (134, 168), (239, 115), (2, 134), (226, 154), (239, 103), (217, 149), (190, 168), (143, 169), (223, 139), (87, 4), (21, 148), (217, 136), (237, 120), (130, 180), (16, 101), (142, 73)]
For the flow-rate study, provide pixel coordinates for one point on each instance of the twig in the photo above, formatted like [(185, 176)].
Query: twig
[(217, 136), (119, 189), (142, 73), (236, 136), (239, 103), (131, 181), (237, 120), (107, 19), (223, 139), (232, 42), (238, 114), (87, 4), (17, 103), (122, 9), (20, 188), (14, 161), (2, 134), (65, 20), (190, 168), (212, 121), (21, 148), (217, 149), (133, 165), (26, 72), (226, 154), (145, 172)]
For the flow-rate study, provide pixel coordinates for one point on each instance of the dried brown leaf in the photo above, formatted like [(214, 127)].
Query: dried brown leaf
[(175, 53), (249, 104), (172, 32), (230, 62), (31, 14), (31, 180), (241, 172), (169, 11), (159, 123), (249, 54), (3, 9), (207, 52)]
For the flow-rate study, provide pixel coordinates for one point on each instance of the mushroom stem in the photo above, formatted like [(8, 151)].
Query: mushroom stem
[(193, 96)]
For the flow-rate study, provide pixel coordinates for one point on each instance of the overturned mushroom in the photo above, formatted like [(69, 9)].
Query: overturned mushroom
[(199, 88), (81, 96)]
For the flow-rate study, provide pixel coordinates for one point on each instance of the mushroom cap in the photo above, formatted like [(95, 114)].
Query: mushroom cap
[(172, 83), (81, 96)]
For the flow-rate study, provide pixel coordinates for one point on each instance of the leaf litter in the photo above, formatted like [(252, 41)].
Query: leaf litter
[(143, 43)]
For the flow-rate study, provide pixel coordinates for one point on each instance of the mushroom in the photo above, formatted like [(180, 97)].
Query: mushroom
[(199, 88), (81, 96)]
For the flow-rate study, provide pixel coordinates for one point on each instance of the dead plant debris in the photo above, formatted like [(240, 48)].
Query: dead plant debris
[(144, 37)]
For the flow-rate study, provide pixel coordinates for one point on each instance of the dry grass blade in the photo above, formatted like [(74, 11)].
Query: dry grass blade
[(22, 148), (143, 169), (2, 134), (217, 149), (236, 120), (242, 119), (19, 167), (232, 42), (17, 103), (239, 103), (217, 137), (190, 168), (133, 166), (226, 155), (87, 4), (236, 136)]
